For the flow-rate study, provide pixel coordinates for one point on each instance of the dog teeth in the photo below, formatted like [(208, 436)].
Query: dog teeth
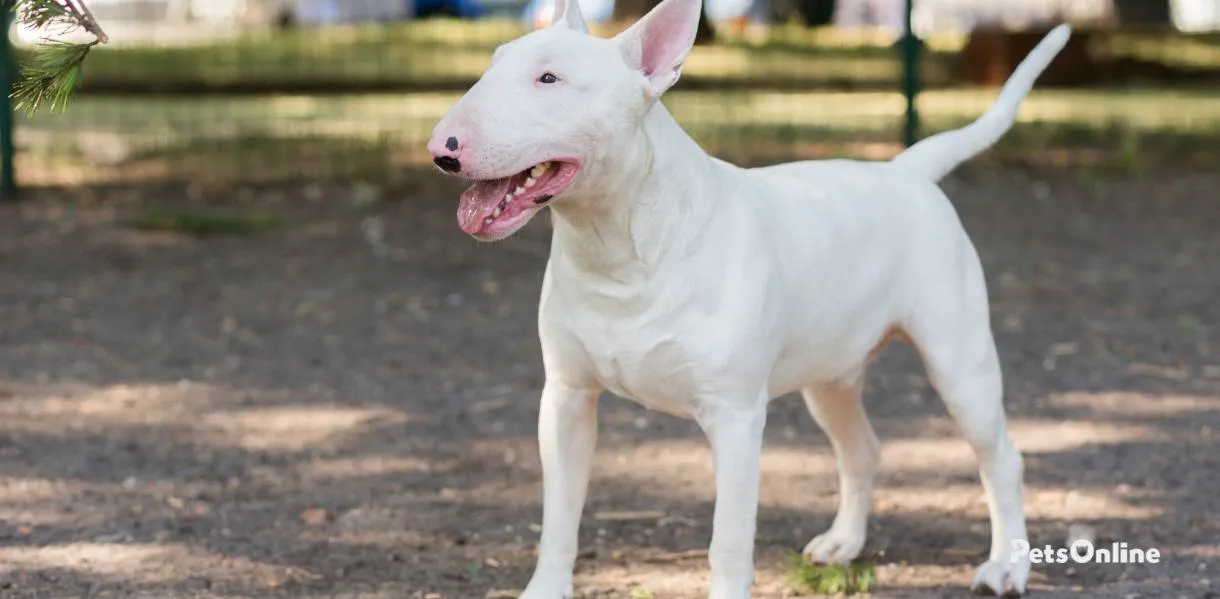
[(519, 190), (539, 169), (496, 213), (488, 220), (530, 182)]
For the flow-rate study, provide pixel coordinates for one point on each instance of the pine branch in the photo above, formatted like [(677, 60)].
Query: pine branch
[(52, 72)]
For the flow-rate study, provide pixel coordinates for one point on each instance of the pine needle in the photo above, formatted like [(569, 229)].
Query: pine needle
[(40, 13), (49, 76), (52, 71)]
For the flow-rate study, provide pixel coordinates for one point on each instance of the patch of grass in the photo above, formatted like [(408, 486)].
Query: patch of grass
[(1187, 323), (199, 224), (474, 571), (829, 579)]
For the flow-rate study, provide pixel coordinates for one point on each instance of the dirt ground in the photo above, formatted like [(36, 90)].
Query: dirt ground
[(303, 412)]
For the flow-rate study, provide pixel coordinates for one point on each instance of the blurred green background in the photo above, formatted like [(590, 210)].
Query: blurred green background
[(236, 99)]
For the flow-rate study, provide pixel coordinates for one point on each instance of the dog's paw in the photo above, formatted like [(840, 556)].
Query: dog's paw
[(548, 587), (835, 547), (1004, 577)]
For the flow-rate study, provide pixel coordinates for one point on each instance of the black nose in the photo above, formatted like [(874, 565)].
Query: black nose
[(448, 164)]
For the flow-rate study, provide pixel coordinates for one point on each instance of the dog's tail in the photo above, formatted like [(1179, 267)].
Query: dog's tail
[(937, 156)]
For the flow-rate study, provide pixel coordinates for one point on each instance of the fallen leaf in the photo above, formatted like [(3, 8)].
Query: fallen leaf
[(315, 516)]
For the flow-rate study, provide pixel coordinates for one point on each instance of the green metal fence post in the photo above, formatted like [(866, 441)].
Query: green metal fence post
[(8, 74), (910, 77)]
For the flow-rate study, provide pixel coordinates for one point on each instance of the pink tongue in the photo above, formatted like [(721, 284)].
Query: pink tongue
[(478, 201)]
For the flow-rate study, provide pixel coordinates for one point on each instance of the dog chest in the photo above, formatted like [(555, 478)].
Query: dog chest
[(655, 367), (655, 362)]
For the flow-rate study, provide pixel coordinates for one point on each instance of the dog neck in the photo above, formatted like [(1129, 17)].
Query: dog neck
[(659, 196)]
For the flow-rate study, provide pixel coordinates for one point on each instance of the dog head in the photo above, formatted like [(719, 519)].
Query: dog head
[(546, 118)]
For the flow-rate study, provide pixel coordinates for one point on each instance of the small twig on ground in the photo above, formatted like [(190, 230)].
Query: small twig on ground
[(630, 515), (677, 556)]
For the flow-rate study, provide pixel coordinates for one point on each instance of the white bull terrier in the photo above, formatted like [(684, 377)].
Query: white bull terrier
[(705, 290)]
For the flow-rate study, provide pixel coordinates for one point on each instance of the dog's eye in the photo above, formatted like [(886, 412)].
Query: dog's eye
[(548, 78)]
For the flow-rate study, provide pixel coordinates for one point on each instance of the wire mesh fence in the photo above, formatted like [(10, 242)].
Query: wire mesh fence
[(238, 103)]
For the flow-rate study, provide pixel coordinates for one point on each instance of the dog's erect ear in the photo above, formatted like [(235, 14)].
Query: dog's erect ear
[(567, 14), (658, 43)]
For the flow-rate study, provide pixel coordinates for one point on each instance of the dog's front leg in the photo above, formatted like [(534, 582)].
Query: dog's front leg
[(736, 437), (567, 435)]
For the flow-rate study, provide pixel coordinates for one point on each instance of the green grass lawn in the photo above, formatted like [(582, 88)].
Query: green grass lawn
[(430, 52), (420, 53), (221, 139)]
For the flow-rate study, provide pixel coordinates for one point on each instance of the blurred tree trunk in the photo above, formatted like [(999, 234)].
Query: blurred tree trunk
[(705, 34), (1143, 12), (626, 11), (630, 10), (817, 13)]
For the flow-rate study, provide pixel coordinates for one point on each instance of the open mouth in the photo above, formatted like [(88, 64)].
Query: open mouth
[(493, 209)]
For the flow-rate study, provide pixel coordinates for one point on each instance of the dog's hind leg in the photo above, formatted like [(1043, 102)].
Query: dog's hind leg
[(953, 334), (839, 411)]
